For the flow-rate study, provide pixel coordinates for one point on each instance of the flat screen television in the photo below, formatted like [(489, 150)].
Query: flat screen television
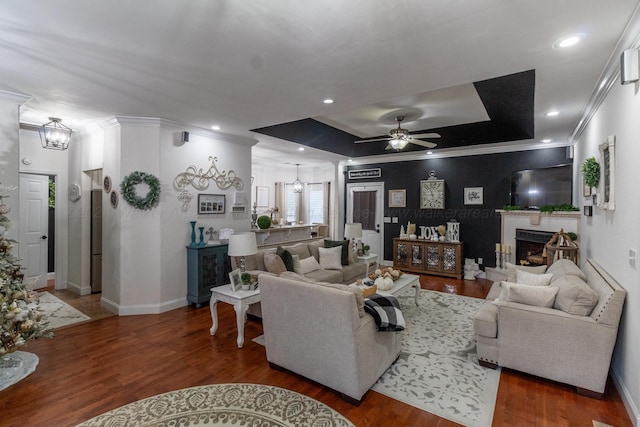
[(534, 188)]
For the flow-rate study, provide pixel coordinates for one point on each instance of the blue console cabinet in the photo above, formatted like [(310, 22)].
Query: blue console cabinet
[(207, 266)]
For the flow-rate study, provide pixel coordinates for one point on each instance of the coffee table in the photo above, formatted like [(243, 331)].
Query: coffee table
[(406, 280), (241, 300)]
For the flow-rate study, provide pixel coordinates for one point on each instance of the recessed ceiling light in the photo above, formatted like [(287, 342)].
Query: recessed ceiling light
[(350, 160), (546, 140), (300, 148), (568, 41), (215, 127), (552, 113), (429, 152), (328, 101)]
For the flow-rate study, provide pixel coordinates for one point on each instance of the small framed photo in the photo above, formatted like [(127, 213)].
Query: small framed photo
[(586, 189), (113, 199), (211, 203), (397, 198), (235, 280), (473, 195)]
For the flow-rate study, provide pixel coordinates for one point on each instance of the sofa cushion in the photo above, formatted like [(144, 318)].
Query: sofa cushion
[(299, 249), (512, 268), (330, 258), (313, 246), (344, 244), (273, 263), (563, 267), (287, 259), (574, 296), (306, 265), (540, 296), (322, 275), (526, 278)]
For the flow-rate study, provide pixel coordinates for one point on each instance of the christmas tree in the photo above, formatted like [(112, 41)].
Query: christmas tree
[(20, 319)]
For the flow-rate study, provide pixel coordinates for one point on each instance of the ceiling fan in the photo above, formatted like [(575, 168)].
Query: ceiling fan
[(399, 138)]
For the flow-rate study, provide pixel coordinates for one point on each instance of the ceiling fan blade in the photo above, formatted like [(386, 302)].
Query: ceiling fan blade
[(425, 135), (425, 144), (372, 140)]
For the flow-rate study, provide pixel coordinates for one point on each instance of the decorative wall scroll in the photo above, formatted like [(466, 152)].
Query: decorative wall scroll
[(199, 178)]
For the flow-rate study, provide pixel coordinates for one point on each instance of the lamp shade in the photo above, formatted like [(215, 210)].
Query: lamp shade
[(243, 244), (353, 231)]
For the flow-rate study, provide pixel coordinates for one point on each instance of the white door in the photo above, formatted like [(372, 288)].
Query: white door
[(34, 227), (365, 205)]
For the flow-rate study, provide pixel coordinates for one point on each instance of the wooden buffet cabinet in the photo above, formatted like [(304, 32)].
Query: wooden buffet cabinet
[(428, 257)]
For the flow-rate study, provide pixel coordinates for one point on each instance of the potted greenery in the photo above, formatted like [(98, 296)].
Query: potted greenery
[(264, 222), (246, 281), (366, 249)]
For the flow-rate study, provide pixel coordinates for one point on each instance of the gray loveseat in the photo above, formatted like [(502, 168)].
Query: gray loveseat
[(320, 331), (551, 342), (348, 273)]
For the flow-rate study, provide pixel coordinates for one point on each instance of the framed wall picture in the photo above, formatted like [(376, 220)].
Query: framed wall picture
[(473, 195), (262, 196), (397, 198), (211, 203), (235, 280), (106, 184), (113, 199), (586, 189)]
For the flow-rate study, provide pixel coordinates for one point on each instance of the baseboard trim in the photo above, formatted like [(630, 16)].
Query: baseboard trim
[(78, 289), (136, 309), (627, 400)]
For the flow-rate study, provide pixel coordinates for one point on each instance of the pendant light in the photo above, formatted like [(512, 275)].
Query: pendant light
[(54, 135), (297, 184)]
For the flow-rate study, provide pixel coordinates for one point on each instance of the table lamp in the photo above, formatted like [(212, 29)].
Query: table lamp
[(242, 245), (353, 231)]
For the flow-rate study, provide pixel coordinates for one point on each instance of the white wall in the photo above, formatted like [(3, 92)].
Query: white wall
[(144, 251), (607, 236)]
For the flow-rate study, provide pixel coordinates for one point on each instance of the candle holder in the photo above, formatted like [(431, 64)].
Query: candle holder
[(502, 258)]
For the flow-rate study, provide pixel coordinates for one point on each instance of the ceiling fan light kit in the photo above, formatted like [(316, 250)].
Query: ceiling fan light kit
[(399, 138)]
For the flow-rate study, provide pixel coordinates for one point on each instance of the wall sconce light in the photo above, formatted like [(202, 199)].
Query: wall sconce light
[(629, 66), (55, 135)]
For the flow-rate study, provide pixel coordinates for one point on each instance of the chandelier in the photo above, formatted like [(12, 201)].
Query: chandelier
[(297, 184), (55, 135)]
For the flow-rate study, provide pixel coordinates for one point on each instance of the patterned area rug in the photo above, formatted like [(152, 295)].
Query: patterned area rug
[(58, 313), (438, 370), (224, 405)]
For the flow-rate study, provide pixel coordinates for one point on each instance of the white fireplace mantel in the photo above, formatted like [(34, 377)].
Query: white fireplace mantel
[(535, 220)]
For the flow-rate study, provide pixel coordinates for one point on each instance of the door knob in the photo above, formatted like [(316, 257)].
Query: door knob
[(44, 237)]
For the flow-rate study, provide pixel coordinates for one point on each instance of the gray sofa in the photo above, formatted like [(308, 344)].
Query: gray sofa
[(255, 264), (320, 331), (567, 342)]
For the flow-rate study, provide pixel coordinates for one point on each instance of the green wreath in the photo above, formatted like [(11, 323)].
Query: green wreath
[(128, 190)]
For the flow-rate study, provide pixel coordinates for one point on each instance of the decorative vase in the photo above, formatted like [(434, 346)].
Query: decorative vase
[(193, 232), (246, 286), (201, 243)]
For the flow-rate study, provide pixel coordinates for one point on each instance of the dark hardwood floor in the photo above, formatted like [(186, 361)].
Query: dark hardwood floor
[(90, 368)]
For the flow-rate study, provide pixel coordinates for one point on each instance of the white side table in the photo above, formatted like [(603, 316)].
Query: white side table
[(367, 260), (241, 300)]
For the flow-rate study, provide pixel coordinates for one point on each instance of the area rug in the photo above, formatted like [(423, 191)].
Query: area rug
[(16, 366), (223, 405), (58, 313), (438, 369)]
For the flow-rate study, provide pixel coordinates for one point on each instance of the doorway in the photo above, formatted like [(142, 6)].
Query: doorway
[(365, 205), (37, 220)]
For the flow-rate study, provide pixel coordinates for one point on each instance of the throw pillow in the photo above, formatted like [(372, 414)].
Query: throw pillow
[(512, 268), (331, 258), (296, 263), (344, 244), (274, 264), (564, 267), (286, 257), (574, 296), (539, 296), (308, 265), (525, 278)]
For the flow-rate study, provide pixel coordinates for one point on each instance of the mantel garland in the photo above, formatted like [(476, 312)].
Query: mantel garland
[(128, 190), (200, 179)]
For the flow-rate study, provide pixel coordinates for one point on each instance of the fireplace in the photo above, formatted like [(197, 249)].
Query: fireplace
[(530, 246)]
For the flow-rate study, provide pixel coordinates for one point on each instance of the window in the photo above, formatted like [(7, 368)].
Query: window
[(307, 207), (291, 205), (316, 205)]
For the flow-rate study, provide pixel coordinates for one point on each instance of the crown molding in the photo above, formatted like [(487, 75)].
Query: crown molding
[(14, 97)]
